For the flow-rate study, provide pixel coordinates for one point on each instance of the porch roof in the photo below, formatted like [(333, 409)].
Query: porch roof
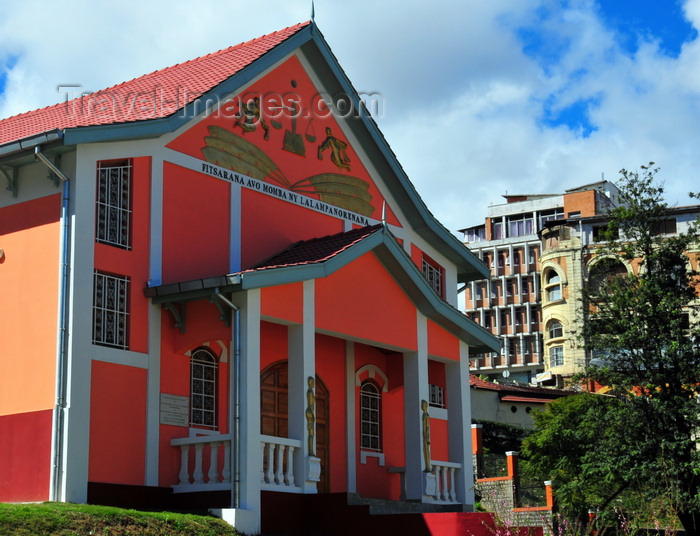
[(320, 257)]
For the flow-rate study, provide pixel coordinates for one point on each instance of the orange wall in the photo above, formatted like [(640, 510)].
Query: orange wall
[(29, 277), (372, 479), (25, 443), (441, 342), (285, 302), (117, 424), (134, 262), (330, 367), (363, 300), (203, 326), (270, 225), (583, 202), (196, 225)]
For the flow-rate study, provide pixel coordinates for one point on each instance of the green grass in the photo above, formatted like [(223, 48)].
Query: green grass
[(61, 519)]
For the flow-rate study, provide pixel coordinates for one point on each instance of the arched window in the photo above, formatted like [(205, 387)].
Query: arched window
[(553, 285), (203, 373), (370, 416), (555, 329), (603, 272)]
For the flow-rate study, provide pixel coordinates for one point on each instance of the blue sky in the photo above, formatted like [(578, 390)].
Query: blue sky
[(479, 98)]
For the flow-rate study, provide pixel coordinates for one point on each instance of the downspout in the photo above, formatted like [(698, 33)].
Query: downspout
[(236, 499), (56, 478)]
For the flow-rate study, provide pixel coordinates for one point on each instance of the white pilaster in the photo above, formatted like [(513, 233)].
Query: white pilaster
[(154, 326), (459, 424), (302, 366), (415, 374)]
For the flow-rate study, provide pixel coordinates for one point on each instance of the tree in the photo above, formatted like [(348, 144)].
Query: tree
[(577, 444), (641, 323), (642, 328)]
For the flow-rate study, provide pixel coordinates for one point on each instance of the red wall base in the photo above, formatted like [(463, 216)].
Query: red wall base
[(25, 462)]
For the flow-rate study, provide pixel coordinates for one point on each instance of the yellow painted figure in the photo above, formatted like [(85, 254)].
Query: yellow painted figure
[(338, 154), (310, 417)]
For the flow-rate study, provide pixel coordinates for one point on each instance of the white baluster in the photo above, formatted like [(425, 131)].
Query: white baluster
[(445, 492), (289, 475), (184, 464), (279, 474), (198, 473), (270, 475), (226, 471), (213, 475), (453, 493), (262, 469)]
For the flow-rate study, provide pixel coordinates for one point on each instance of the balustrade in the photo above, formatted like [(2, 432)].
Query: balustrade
[(445, 491), (206, 462), (277, 472)]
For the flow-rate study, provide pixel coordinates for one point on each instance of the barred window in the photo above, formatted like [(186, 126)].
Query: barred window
[(433, 274), (203, 368), (114, 203), (370, 416), (110, 310), (437, 396)]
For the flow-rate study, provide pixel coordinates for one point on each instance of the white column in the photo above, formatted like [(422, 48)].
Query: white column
[(350, 404), (415, 374), (302, 366), (459, 424), (249, 439)]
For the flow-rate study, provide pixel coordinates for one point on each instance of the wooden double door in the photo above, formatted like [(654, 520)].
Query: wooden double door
[(274, 396)]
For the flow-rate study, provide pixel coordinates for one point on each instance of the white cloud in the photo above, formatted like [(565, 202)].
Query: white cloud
[(463, 103)]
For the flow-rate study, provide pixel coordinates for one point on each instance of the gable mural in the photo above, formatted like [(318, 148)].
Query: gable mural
[(280, 132)]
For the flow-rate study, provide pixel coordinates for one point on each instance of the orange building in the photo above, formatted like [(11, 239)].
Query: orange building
[(220, 289)]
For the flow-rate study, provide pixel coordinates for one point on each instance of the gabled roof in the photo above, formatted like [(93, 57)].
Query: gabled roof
[(214, 78), (187, 81), (321, 257), (317, 249)]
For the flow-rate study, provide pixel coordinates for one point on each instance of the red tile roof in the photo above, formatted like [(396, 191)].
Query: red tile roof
[(317, 249), (158, 94), (475, 381)]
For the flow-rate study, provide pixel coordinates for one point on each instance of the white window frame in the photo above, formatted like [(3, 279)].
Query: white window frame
[(556, 356)]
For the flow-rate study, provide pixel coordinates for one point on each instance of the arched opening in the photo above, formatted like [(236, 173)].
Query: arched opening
[(274, 413)]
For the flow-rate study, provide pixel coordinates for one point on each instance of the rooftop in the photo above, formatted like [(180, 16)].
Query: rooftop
[(172, 88)]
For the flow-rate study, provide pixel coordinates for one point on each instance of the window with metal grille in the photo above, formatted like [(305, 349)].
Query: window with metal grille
[(437, 396), (110, 310), (203, 368), (370, 416), (114, 203), (433, 274)]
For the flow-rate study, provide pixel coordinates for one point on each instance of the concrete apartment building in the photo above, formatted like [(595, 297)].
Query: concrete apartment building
[(509, 303)]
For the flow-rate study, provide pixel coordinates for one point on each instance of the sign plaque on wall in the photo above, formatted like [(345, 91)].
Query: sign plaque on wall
[(174, 410)]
